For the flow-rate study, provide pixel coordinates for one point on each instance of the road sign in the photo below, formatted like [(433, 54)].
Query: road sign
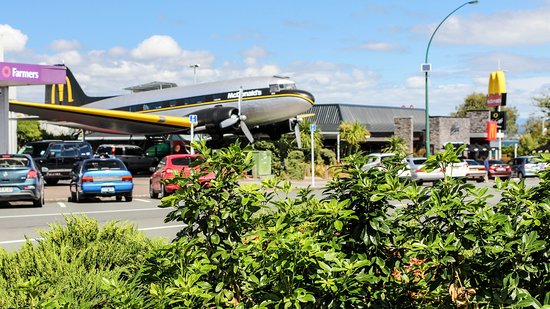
[(500, 119), (193, 119), (312, 127)]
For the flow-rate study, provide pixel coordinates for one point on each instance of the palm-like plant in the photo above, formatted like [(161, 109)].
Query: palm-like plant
[(353, 133), (396, 144)]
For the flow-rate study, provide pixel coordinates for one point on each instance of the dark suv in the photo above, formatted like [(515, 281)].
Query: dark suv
[(56, 158), (133, 156)]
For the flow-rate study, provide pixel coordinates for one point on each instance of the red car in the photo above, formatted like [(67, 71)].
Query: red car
[(176, 164), (497, 168)]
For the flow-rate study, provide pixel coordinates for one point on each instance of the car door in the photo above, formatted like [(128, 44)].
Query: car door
[(156, 177)]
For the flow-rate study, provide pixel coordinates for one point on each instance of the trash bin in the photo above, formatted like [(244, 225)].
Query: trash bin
[(262, 163)]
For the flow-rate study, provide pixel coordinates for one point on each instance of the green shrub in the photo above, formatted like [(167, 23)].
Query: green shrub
[(328, 156), (68, 265), (295, 165)]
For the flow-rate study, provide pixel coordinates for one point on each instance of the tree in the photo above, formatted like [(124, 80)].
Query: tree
[(28, 131), (543, 102), (354, 133), (396, 144), (478, 101)]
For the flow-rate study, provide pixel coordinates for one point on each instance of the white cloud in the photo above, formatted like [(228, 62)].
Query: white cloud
[(157, 46), (64, 45), (527, 27), (416, 82), (380, 46), (12, 39)]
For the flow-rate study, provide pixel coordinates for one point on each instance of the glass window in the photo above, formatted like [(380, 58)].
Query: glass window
[(69, 151), (56, 149), (134, 151)]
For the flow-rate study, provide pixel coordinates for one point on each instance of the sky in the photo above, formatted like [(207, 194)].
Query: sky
[(358, 52)]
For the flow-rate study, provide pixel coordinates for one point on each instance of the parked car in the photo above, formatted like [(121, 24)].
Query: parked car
[(167, 168), (132, 156), (20, 179), (476, 170), (417, 171), (497, 168), (377, 160), (526, 166), (56, 158), (457, 169), (101, 177)]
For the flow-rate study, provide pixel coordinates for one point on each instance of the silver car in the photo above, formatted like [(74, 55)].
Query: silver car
[(21, 179)]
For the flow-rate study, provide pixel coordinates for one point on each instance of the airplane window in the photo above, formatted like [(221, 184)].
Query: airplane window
[(145, 107), (274, 88), (172, 103)]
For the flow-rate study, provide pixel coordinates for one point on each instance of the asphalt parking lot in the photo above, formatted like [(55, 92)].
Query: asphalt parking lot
[(60, 191)]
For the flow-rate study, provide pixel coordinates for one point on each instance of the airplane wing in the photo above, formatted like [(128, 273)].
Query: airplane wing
[(101, 120)]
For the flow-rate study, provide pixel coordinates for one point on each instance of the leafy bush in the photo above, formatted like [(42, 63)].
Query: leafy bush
[(372, 240), (68, 265), (295, 165)]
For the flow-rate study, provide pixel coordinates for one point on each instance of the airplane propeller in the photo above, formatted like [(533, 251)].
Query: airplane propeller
[(295, 126), (239, 118), (242, 118)]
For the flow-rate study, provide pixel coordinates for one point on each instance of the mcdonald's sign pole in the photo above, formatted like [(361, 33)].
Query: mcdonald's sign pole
[(426, 67)]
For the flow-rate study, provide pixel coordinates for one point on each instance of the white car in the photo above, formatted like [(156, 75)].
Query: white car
[(417, 171), (376, 160), (457, 170)]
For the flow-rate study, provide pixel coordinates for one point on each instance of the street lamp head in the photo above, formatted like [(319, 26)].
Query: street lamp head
[(473, 2), (194, 65)]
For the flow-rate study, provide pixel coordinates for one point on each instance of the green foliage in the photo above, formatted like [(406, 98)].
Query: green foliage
[(28, 131), (353, 133), (67, 266), (295, 165), (396, 144), (372, 240), (328, 156)]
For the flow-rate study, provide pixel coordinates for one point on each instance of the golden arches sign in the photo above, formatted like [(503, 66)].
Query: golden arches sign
[(496, 95), (60, 90)]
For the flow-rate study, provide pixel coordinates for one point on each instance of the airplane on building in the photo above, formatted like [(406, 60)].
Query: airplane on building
[(249, 105)]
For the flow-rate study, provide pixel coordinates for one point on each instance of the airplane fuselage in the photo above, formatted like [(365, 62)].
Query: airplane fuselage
[(265, 100)]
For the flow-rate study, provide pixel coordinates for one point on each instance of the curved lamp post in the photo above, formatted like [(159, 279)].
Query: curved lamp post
[(426, 67)]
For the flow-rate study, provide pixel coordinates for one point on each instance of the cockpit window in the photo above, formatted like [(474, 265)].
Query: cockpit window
[(278, 87)]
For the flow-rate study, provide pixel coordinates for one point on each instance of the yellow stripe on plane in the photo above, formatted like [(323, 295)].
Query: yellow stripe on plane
[(182, 122)]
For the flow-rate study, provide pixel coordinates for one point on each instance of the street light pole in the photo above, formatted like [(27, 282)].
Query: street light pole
[(428, 69), (194, 66)]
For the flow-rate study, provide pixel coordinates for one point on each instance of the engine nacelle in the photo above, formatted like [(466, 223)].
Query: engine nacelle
[(211, 118)]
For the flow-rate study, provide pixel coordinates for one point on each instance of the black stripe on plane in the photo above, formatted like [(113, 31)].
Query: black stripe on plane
[(206, 100)]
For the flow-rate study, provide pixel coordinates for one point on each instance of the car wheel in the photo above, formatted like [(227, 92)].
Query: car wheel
[(521, 176), (152, 193), (73, 197), (39, 202), (51, 181), (480, 179), (162, 192), (118, 198), (128, 197)]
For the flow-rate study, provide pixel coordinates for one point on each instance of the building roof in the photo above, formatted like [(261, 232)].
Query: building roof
[(377, 119)]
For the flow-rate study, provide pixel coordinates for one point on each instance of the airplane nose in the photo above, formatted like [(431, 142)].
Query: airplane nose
[(306, 95)]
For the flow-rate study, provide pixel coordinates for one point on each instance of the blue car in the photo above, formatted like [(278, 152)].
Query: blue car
[(20, 179), (101, 177)]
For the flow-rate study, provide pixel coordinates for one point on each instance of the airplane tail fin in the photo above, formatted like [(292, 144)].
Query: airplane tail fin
[(69, 93)]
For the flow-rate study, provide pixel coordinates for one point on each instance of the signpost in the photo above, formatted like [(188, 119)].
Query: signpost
[(21, 74), (312, 128), (193, 120)]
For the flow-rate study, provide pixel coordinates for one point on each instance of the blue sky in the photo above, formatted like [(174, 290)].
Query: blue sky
[(360, 52)]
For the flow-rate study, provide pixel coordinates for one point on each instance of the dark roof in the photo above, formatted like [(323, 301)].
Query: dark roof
[(376, 118)]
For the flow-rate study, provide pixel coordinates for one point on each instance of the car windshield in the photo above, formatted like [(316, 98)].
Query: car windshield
[(418, 161), (97, 165), (183, 161), (35, 150), (531, 160), (14, 162)]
